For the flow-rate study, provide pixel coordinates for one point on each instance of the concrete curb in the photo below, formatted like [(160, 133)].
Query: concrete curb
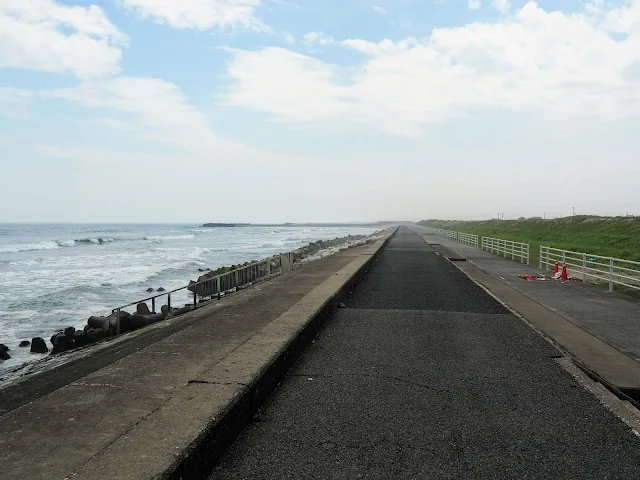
[(199, 458), (621, 392)]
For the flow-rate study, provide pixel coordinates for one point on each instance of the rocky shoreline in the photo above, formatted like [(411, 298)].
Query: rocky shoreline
[(100, 328)]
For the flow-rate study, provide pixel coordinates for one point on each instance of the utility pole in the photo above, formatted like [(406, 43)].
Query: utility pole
[(574, 210)]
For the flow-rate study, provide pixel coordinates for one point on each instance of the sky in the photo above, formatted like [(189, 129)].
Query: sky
[(317, 111)]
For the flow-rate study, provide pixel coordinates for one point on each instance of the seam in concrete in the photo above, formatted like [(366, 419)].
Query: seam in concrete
[(621, 409), (621, 397), (387, 377), (201, 456), (558, 312)]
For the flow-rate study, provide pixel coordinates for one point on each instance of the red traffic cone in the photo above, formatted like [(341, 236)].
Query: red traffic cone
[(555, 269), (564, 276)]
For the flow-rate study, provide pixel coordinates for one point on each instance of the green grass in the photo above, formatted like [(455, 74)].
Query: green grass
[(601, 236)]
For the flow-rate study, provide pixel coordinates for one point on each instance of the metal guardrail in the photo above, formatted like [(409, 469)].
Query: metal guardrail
[(461, 237), (507, 248), (468, 238), (614, 271), (448, 233), (223, 283)]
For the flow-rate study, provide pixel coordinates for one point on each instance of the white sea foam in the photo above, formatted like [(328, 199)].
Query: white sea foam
[(28, 247), (160, 238), (83, 273), (52, 244), (67, 243)]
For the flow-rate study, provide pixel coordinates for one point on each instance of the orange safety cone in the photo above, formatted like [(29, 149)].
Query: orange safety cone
[(564, 276), (555, 269)]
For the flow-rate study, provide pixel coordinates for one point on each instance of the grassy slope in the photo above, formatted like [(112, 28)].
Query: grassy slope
[(605, 236)]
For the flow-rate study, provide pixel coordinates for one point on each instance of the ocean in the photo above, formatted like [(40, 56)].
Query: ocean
[(55, 276)]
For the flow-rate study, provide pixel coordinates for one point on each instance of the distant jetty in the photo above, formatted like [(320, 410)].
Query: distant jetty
[(218, 225)]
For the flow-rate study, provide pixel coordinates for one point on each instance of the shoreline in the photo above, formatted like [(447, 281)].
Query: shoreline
[(50, 360)]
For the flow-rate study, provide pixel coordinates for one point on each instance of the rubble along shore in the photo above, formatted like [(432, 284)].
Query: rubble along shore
[(101, 328)]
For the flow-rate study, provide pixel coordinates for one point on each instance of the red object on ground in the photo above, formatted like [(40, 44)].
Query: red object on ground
[(555, 269), (531, 278), (564, 276)]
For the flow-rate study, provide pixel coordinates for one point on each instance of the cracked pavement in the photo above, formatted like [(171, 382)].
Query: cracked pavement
[(426, 376)]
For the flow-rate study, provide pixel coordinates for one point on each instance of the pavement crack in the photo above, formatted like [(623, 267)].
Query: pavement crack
[(378, 376), (207, 382)]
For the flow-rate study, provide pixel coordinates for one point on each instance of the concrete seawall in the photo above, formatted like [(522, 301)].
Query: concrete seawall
[(163, 403)]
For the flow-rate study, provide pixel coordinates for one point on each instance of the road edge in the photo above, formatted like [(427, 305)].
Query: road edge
[(199, 458)]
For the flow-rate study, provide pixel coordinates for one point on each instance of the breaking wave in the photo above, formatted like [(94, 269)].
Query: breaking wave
[(52, 244), (158, 238)]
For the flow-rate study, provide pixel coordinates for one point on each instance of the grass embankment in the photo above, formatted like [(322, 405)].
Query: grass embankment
[(602, 236)]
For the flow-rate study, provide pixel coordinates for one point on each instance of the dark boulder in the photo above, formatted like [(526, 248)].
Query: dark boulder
[(4, 352), (143, 309), (61, 343), (176, 311), (161, 289), (98, 323), (69, 332), (140, 321), (125, 322), (38, 345), (87, 328), (59, 332), (96, 334), (4, 348), (24, 343), (149, 289), (80, 338), (110, 323)]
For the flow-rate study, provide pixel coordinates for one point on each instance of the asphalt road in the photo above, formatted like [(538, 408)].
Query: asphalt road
[(426, 376)]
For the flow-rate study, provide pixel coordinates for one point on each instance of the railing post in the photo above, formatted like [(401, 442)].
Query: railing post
[(541, 257), (118, 323), (169, 301), (153, 305), (195, 300), (611, 274), (218, 286), (584, 267)]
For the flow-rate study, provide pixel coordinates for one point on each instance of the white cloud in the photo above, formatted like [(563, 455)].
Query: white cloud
[(318, 38), (474, 4), (625, 19), (536, 62), (158, 109), (45, 35), (199, 14), (379, 10), (502, 6)]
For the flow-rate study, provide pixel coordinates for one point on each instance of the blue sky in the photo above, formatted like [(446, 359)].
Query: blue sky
[(293, 110)]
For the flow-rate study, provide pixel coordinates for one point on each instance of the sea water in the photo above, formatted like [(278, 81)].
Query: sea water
[(55, 276)]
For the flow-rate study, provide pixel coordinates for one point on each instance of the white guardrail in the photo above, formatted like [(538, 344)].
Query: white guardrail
[(468, 238), (507, 248), (498, 246), (461, 237), (594, 268)]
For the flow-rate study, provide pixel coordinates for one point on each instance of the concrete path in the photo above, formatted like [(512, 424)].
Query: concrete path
[(426, 376), (611, 316), (161, 402)]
